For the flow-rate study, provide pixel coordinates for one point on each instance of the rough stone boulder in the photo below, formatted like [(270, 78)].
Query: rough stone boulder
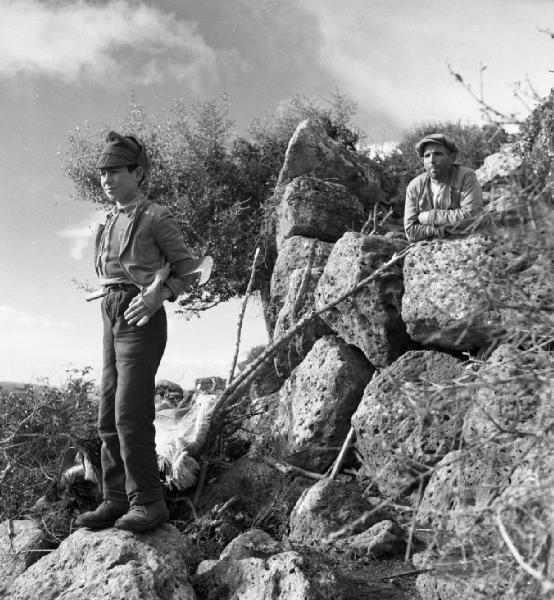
[(110, 564), (382, 539), (294, 254), (512, 404), (509, 394), (499, 167), (327, 507), (284, 576), (317, 209), (298, 301), (256, 485), (312, 152), (254, 543), (317, 401), (21, 544), (408, 419), (463, 293), (369, 319)]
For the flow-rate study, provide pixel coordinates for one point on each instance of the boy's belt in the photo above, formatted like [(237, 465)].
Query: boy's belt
[(110, 287)]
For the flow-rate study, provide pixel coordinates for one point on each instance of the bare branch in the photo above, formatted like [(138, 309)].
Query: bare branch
[(547, 585), (241, 316)]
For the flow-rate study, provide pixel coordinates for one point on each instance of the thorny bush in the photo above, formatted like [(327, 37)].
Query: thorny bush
[(37, 423)]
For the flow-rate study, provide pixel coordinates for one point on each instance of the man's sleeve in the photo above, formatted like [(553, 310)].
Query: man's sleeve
[(413, 228), (471, 206), (183, 264)]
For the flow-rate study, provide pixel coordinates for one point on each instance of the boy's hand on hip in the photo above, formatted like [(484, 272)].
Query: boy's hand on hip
[(139, 310)]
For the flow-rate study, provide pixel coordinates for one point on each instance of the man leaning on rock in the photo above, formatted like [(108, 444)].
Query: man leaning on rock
[(141, 260), (444, 200)]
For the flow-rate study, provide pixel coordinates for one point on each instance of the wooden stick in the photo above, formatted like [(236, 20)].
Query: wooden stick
[(304, 283), (413, 523), (200, 484), (288, 469), (340, 458), (241, 316), (547, 585)]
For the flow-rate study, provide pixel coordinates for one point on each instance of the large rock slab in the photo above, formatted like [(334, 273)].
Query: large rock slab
[(298, 301), (21, 544), (312, 152), (370, 318), (316, 208), (294, 254), (110, 565), (284, 576), (462, 294), (317, 402), (410, 417), (327, 507)]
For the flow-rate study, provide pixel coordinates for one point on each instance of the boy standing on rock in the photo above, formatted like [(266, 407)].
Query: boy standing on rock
[(447, 198), (141, 261)]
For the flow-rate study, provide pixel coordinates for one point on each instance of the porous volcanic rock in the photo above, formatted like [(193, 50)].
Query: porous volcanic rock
[(295, 307), (406, 422), (317, 401), (326, 507), (457, 291), (284, 576), (511, 405), (110, 564), (381, 539), (509, 395), (254, 543), (293, 255), (316, 208), (312, 152), (370, 318), (499, 167), (21, 544), (458, 584)]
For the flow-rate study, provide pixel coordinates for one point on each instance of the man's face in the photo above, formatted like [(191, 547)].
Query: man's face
[(438, 161), (119, 184)]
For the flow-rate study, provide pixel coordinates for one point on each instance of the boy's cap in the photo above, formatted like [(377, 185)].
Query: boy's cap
[(121, 151), (436, 138)]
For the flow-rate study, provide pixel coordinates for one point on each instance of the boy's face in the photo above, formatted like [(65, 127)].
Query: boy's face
[(119, 184)]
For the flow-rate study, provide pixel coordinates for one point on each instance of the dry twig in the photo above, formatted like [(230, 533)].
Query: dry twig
[(241, 316)]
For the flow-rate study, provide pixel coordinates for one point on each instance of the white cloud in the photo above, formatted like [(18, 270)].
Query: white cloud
[(15, 319), (393, 55), (118, 41), (81, 235)]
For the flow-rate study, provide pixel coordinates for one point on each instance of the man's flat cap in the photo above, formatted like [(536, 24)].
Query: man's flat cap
[(436, 138), (121, 151)]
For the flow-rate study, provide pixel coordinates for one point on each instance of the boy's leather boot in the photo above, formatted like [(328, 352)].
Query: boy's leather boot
[(104, 516), (144, 517)]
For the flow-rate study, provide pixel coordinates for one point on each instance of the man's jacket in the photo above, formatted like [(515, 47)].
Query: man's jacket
[(151, 240), (465, 199)]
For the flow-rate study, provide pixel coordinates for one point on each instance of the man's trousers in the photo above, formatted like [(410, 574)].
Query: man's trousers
[(126, 413)]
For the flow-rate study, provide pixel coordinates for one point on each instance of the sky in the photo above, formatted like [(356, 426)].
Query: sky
[(67, 63)]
